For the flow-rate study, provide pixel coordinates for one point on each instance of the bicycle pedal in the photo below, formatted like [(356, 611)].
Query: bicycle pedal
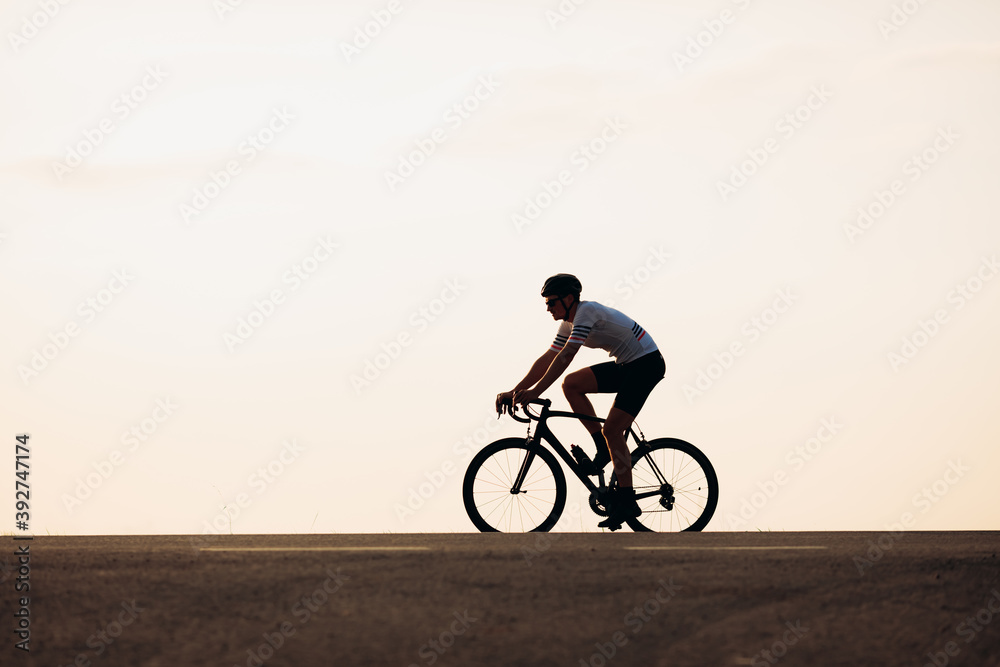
[(615, 527), (586, 465)]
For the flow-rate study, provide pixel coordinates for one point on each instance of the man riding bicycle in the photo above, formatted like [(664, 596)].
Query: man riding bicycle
[(637, 368)]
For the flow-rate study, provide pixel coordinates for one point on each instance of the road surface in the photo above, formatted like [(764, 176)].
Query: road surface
[(568, 599)]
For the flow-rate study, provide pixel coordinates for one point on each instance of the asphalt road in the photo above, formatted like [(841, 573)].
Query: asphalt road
[(469, 599)]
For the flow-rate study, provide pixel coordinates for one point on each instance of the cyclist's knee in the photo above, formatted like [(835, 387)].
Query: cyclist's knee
[(572, 384), (617, 422), (579, 382)]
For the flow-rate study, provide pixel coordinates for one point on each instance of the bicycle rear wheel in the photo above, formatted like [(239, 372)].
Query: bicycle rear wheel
[(679, 483), (491, 476)]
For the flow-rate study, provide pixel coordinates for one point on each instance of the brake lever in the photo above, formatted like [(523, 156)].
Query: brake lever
[(506, 407)]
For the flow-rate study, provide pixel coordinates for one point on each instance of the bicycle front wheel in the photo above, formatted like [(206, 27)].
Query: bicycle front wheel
[(675, 485), (487, 490)]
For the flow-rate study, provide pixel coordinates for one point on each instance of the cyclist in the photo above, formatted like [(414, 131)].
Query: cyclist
[(637, 368)]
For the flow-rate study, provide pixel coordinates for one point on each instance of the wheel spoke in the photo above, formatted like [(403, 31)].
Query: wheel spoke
[(500, 480), (695, 493), (667, 465), (491, 476), (530, 501)]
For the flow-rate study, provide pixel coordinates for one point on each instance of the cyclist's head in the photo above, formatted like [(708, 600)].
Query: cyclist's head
[(555, 291), (562, 284)]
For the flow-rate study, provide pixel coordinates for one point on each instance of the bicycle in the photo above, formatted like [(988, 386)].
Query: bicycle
[(518, 481)]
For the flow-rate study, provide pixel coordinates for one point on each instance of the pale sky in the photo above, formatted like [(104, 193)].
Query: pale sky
[(212, 222)]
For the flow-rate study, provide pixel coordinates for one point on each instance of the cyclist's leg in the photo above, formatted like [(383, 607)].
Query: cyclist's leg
[(623, 503), (615, 426), (599, 379), (576, 386), (639, 378)]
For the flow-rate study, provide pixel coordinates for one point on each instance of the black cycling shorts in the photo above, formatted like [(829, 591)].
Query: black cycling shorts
[(633, 381)]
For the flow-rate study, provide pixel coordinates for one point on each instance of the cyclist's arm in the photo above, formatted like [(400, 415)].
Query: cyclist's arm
[(569, 339), (540, 369), (559, 364), (537, 370)]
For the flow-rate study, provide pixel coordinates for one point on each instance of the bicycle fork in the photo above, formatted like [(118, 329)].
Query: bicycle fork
[(522, 473)]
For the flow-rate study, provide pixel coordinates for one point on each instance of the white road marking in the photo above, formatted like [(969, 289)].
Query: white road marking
[(717, 548), (315, 549)]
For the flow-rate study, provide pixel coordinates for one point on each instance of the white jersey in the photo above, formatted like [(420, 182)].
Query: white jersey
[(605, 328)]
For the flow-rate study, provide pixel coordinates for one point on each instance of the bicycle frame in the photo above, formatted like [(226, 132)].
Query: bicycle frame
[(544, 433)]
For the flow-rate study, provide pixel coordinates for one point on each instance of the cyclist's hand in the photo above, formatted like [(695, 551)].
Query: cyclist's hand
[(505, 402), (525, 396)]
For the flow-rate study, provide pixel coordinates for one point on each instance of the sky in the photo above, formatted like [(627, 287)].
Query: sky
[(266, 265)]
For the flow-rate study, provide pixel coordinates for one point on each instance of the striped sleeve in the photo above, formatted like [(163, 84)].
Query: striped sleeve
[(585, 320), (561, 337), (579, 335)]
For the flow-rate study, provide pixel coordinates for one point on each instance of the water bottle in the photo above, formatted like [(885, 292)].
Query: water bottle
[(581, 457)]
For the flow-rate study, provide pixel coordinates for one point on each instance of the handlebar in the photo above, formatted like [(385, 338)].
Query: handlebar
[(512, 411)]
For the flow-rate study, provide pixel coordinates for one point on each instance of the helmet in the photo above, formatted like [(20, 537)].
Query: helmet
[(562, 284)]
